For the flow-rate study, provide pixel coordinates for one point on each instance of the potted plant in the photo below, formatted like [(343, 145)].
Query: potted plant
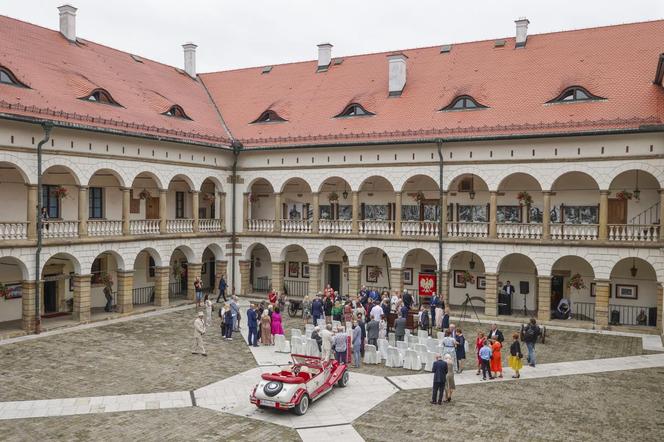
[(576, 282), (624, 195), (525, 199), (333, 197), (253, 197), (61, 192)]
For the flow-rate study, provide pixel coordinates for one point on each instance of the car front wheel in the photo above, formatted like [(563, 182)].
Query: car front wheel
[(343, 381), (302, 406)]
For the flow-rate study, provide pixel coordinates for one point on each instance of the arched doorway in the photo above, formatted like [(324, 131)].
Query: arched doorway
[(571, 278), (145, 277), (415, 263), (634, 212), (260, 270), (296, 273), (517, 285), (375, 267), (103, 272), (179, 278), (334, 270), (467, 280), (633, 293), (12, 274), (58, 287)]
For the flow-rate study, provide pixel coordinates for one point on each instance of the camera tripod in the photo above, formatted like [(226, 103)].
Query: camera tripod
[(465, 305)]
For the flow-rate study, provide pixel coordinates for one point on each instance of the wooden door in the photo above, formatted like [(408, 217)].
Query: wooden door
[(617, 211), (152, 208)]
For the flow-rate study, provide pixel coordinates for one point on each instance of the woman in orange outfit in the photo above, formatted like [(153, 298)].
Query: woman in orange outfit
[(496, 360)]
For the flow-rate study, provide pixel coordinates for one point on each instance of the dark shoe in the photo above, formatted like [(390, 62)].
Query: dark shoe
[(432, 403), (205, 354), (491, 378), (484, 379), (438, 403)]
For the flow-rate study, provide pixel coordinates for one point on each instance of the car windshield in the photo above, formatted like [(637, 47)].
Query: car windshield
[(308, 361)]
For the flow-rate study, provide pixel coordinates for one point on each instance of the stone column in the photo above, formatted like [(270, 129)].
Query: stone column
[(603, 214), (195, 203), (314, 279), (356, 214), (601, 303), (245, 211), (660, 305), (31, 215), (193, 271), (493, 209), (443, 213), (220, 269), (245, 284), (543, 298), (315, 221), (661, 215), (354, 280), (125, 287), (162, 210), (443, 288), (29, 291), (546, 216), (491, 295), (83, 205), (126, 202), (162, 277), (278, 276), (82, 300), (220, 204), (277, 213), (396, 279), (397, 214)]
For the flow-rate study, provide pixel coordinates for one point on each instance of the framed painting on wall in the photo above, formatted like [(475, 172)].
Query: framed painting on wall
[(305, 269), (480, 283), (624, 291), (373, 272), (460, 279), (408, 276), (592, 290), (293, 269)]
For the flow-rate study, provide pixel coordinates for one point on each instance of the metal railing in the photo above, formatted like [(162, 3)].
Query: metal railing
[(647, 216), (574, 231), (104, 227), (144, 226), (142, 295), (13, 230), (262, 284), (583, 311), (60, 229), (296, 288), (175, 290), (468, 229), (634, 232), (519, 230), (629, 314)]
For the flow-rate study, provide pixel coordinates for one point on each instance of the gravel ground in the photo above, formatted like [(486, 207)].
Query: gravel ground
[(196, 424), (140, 356), (613, 406)]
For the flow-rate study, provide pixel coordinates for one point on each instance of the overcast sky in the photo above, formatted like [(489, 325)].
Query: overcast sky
[(244, 33)]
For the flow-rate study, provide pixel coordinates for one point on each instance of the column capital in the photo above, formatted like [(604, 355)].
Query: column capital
[(124, 273), (544, 277), (601, 281), (125, 189), (34, 186), (82, 186), (398, 192), (194, 191), (163, 191), (547, 192), (604, 192)]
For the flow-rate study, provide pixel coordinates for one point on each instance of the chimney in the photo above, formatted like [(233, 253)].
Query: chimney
[(324, 56), (190, 59), (68, 21), (521, 32), (396, 74)]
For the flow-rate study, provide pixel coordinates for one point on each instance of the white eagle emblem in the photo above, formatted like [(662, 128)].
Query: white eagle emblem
[(426, 284)]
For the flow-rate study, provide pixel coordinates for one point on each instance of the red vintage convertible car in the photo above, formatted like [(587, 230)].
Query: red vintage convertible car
[(307, 380)]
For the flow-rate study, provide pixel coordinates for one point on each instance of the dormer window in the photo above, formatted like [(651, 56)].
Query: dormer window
[(7, 77), (463, 102), (269, 116), (101, 96), (354, 110), (176, 112), (575, 93)]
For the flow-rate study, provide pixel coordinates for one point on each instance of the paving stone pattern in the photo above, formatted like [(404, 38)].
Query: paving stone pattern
[(607, 406), (144, 356), (195, 424)]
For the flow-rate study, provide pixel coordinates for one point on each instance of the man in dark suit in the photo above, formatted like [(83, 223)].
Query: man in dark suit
[(252, 323), (317, 309), (439, 369), (494, 333), (400, 328), (407, 299), (372, 332), (508, 288)]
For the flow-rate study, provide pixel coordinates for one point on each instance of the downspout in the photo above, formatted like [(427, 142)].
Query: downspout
[(47, 135), (237, 147), (439, 143)]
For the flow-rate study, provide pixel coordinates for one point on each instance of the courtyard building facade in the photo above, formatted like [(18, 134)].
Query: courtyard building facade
[(536, 159)]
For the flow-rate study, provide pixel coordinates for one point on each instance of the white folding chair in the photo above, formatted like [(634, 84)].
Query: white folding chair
[(296, 345), (412, 361), (429, 360), (370, 355), (383, 345), (393, 358), (311, 347), (392, 339), (281, 345), (421, 350), (295, 332), (432, 344)]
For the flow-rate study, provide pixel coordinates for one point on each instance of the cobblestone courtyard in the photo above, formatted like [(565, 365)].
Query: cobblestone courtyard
[(152, 354)]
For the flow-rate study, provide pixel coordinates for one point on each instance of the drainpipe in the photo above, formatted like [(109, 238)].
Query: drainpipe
[(47, 135), (237, 147), (439, 143)]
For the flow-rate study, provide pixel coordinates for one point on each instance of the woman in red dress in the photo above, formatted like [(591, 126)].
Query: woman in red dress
[(348, 313), (272, 297), (479, 343), (496, 359), (329, 292)]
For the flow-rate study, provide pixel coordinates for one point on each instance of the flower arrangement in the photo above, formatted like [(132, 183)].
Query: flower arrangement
[(333, 196), (106, 279), (61, 192), (525, 199), (468, 278), (624, 195), (419, 196), (576, 282), (144, 194), (253, 197), (3, 290)]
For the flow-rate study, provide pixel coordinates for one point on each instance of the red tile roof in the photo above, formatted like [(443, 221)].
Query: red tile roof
[(59, 72), (616, 62)]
